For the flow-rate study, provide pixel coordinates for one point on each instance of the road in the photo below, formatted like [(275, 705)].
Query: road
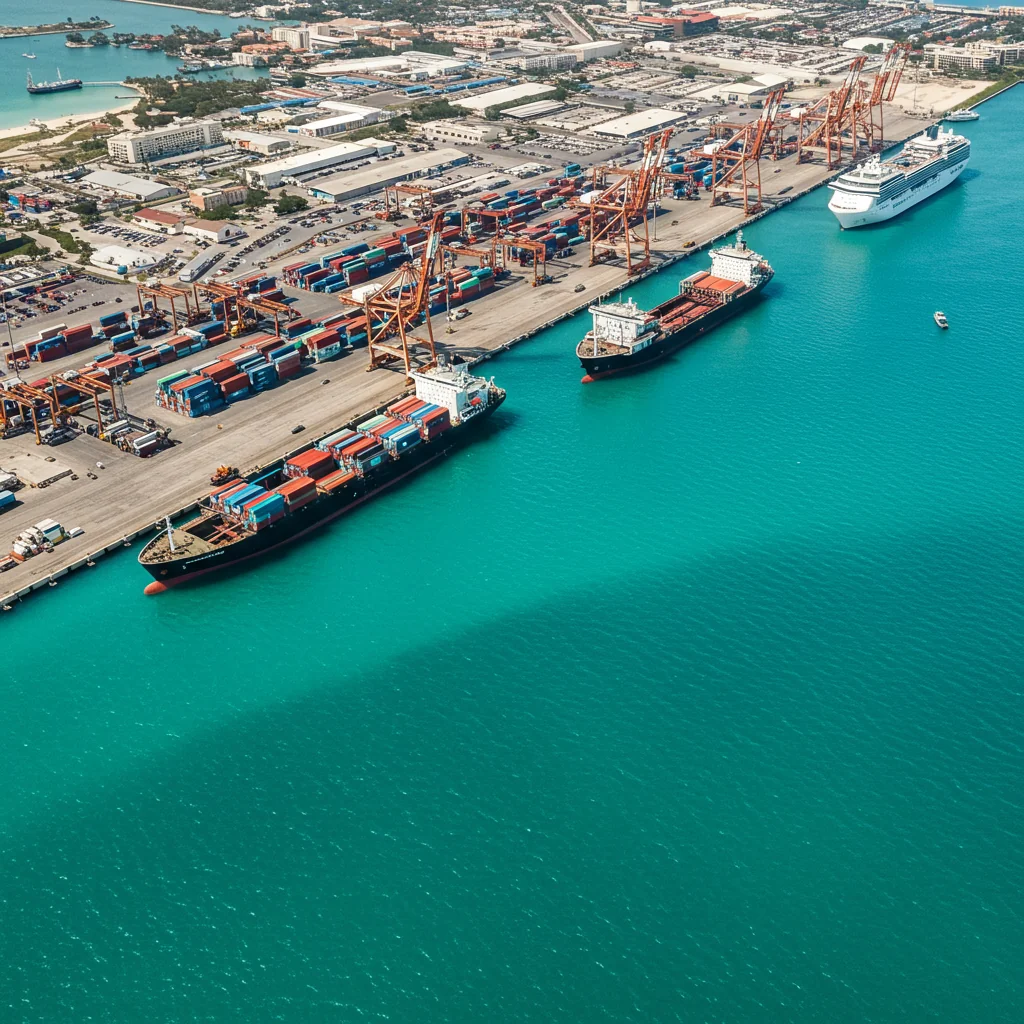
[(562, 19)]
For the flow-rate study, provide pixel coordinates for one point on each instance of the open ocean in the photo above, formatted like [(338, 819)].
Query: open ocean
[(693, 696)]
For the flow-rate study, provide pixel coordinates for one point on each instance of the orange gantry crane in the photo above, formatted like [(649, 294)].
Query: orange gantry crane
[(618, 219), (170, 293), (394, 312), (867, 111), (31, 401), (89, 386), (824, 124), (234, 298), (736, 166)]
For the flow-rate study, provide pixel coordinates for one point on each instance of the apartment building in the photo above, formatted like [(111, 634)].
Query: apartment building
[(173, 140)]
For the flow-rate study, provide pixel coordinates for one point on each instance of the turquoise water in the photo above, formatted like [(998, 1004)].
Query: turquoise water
[(692, 696), (99, 64)]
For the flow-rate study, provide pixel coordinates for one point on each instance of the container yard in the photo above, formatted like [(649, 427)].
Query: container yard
[(523, 246)]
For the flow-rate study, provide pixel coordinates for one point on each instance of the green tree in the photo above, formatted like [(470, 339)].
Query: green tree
[(256, 198), (629, 106), (290, 204), (297, 81), (688, 71)]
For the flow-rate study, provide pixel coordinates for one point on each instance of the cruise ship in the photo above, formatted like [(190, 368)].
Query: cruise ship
[(879, 190)]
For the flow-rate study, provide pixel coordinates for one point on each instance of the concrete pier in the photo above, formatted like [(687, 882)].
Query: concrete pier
[(129, 496)]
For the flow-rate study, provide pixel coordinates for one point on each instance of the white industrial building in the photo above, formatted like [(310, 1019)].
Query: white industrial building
[(112, 257), (734, 92), (258, 142), (479, 102), (213, 230), (414, 65), (597, 50), (272, 174), (530, 111), (173, 140), (346, 117), (634, 126), (458, 131), (129, 186), (352, 184)]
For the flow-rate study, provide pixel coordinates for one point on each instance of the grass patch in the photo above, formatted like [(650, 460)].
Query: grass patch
[(67, 241), (19, 140), (21, 247), (1013, 78)]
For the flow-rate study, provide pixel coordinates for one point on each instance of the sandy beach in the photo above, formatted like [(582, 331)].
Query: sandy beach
[(69, 123)]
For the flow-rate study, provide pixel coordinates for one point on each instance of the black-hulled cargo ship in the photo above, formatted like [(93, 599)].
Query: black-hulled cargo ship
[(245, 518), (61, 85), (626, 337)]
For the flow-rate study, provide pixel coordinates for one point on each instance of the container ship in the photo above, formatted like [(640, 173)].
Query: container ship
[(626, 337), (879, 190), (246, 518), (61, 85)]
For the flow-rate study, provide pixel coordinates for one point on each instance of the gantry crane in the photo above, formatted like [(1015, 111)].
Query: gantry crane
[(618, 215), (867, 111), (169, 292), (395, 311), (89, 386), (31, 400), (822, 126), (739, 160)]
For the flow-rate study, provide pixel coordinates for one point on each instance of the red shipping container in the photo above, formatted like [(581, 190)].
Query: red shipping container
[(351, 450), (220, 371), (334, 481), (186, 382), (313, 463), (296, 488), (224, 488), (239, 382), (167, 355), (46, 355), (385, 427)]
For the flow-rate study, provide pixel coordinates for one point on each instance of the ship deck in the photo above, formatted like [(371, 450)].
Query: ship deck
[(214, 532)]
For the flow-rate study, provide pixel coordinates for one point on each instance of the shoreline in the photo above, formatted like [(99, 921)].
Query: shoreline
[(69, 122), (178, 7), (62, 30)]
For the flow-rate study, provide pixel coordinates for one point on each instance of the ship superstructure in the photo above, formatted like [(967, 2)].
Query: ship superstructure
[(879, 190), (625, 337)]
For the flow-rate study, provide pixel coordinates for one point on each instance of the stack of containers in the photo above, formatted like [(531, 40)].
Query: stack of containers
[(287, 362), (233, 501), (78, 338), (113, 323), (333, 481), (265, 511), (298, 491), (123, 341), (50, 348), (261, 376), (312, 463)]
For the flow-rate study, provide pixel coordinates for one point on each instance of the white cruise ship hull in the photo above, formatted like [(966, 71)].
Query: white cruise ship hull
[(856, 210)]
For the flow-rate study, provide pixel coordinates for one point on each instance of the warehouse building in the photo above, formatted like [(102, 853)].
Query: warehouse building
[(129, 186), (347, 117), (164, 221), (597, 50), (116, 257), (275, 173), (457, 131), (635, 126), (531, 111), (353, 184), (480, 102), (175, 139), (734, 92), (258, 142), (213, 230)]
